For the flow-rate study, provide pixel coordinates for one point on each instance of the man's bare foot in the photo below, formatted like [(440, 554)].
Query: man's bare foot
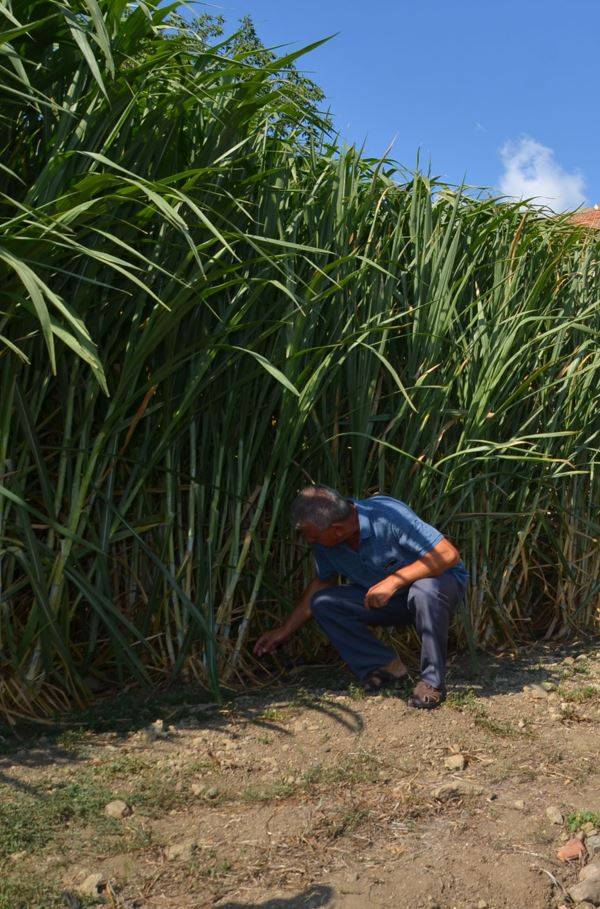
[(396, 668), (386, 677)]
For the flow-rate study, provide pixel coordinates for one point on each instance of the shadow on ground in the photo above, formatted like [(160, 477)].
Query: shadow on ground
[(312, 898), (310, 688)]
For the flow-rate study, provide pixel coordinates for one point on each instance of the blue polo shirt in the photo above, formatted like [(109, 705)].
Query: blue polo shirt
[(391, 536)]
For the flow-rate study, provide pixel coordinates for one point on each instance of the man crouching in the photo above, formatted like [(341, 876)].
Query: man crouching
[(400, 570)]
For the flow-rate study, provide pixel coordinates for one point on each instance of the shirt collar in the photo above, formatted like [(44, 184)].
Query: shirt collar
[(363, 520)]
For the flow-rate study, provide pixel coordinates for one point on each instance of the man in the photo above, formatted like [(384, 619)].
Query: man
[(401, 572)]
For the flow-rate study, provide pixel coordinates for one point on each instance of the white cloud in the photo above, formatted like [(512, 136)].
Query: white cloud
[(532, 171)]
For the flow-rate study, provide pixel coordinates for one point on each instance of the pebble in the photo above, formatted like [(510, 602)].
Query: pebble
[(180, 852), (572, 851), (156, 730), (554, 815), (455, 762), (593, 844), (536, 691), (117, 809), (455, 790), (197, 788), (519, 805), (590, 872), (586, 890), (482, 904), (93, 885)]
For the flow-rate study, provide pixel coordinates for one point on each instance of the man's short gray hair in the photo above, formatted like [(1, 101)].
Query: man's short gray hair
[(319, 506)]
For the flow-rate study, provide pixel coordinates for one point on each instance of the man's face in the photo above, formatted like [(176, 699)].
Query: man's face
[(331, 536)]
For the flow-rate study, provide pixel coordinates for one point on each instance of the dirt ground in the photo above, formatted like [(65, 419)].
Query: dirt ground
[(307, 794)]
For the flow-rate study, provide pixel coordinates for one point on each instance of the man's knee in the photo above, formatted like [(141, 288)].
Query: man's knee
[(322, 601), (427, 595)]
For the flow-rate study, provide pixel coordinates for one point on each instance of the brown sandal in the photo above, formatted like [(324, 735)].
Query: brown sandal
[(426, 697)]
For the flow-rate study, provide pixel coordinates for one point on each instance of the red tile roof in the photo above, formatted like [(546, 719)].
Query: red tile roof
[(588, 217)]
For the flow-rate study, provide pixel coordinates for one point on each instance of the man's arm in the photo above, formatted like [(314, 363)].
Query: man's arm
[(434, 563), (271, 640)]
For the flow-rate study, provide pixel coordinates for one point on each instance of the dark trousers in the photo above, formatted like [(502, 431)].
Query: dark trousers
[(427, 604)]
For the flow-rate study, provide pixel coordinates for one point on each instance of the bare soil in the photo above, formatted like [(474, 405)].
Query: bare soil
[(306, 795)]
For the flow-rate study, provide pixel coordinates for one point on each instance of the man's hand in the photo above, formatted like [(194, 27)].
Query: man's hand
[(270, 641), (379, 594)]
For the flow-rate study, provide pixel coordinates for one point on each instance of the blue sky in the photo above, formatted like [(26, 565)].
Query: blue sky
[(503, 93)]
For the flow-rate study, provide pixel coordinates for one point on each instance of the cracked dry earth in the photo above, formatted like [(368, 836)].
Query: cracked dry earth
[(309, 797)]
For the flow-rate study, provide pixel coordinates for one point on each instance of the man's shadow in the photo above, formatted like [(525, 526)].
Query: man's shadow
[(311, 898)]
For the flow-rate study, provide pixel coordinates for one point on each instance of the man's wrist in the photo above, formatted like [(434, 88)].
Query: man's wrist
[(398, 581)]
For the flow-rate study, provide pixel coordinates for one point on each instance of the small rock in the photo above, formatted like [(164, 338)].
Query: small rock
[(572, 851), (156, 730), (590, 872), (198, 788), (455, 762), (482, 904), (554, 815), (586, 890), (536, 691), (180, 852), (212, 793), (93, 885), (519, 805), (17, 856), (593, 844), (118, 809), (582, 656), (521, 724), (450, 791)]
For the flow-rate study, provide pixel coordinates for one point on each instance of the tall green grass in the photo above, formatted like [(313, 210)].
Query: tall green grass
[(206, 303)]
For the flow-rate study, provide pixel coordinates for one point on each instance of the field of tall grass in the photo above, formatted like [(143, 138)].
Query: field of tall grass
[(205, 303)]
